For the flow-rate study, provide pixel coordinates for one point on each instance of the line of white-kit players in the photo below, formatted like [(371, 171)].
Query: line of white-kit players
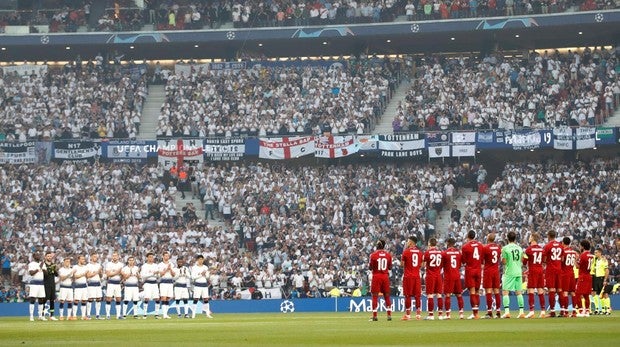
[(81, 287)]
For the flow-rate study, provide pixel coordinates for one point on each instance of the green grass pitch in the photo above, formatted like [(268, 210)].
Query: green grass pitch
[(298, 329)]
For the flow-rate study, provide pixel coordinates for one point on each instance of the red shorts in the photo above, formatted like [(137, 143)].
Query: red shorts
[(412, 286), (568, 282), (452, 286), (584, 285), (535, 279), (553, 279), (380, 284), (473, 278), (491, 280), (433, 284)]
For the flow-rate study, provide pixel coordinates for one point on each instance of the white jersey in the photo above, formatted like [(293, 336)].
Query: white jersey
[(37, 278), (200, 274), (79, 270), (96, 268), (114, 267), (66, 272), (131, 275), (148, 273), (169, 270), (183, 276)]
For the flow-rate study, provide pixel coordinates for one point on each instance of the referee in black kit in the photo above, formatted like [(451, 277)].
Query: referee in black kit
[(50, 272)]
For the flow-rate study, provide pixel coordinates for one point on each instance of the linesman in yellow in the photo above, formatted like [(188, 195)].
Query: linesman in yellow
[(600, 278)]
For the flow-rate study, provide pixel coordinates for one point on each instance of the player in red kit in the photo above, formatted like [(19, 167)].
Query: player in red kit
[(412, 259), (380, 265), (569, 259), (552, 257), (433, 263), (584, 282), (533, 258), (452, 277), (472, 259), (491, 279)]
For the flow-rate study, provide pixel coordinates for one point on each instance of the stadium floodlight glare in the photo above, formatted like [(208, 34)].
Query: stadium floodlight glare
[(131, 47), (260, 45), (517, 35), (68, 47), (452, 38), (195, 46), (581, 33), (388, 40), (324, 42), (4, 48)]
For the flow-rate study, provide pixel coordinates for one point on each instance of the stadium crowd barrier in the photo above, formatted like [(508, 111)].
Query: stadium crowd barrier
[(196, 151)]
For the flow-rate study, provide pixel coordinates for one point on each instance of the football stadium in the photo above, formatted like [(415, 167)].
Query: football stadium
[(321, 172)]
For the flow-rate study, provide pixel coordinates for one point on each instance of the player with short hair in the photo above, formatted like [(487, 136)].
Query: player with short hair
[(552, 258), (412, 262), (113, 274), (584, 282), (131, 282), (512, 258), (200, 275), (80, 287), (472, 260), (434, 286), (600, 275), (65, 276), (181, 288), (95, 294), (149, 274), (36, 286), (50, 272), (380, 264), (167, 272), (569, 259), (451, 259), (491, 279), (533, 257)]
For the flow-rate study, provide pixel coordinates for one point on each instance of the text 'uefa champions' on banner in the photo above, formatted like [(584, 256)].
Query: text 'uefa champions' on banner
[(172, 147)]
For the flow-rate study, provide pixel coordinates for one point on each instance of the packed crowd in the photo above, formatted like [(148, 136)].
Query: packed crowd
[(90, 100), (286, 100), (544, 90)]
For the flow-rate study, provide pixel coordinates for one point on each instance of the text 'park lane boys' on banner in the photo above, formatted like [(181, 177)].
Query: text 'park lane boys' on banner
[(402, 145), (286, 147), (18, 152), (335, 146), (225, 149), (180, 152), (75, 151), (464, 144)]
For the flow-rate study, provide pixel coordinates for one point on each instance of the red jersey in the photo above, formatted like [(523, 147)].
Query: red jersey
[(412, 261), (492, 257), (380, 262), (534, 258), (569, 259), (585, 264), (433, 261), (552, 256), (472, 255), (451, 259)]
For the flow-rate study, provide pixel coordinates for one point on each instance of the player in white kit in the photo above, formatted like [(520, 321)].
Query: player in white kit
[(167, 272), (113, 290), (149, 273), (131, 281), (200, 274), (36, 286), (181, 288), (95, 294), (65, 276), (80, 288)]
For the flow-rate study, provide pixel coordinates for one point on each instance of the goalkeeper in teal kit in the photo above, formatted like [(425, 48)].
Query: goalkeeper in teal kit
[(512, 258)]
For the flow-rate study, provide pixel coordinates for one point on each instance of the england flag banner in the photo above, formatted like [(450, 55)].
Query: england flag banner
[(563, 138), (179, 152), (335, 146), (464, 144), (405, 145), (438, 145), (285, 147), (585, 137)]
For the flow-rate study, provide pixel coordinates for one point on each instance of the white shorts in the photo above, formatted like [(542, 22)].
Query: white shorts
[(37, 291), (150, 291), (66, 294), (181, 293), (166, 289), (113, 291), (131, 293), (201, 292), (80, 294), (95, 292)]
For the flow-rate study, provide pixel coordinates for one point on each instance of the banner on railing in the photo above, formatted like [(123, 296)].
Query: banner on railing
[(18, 152), (402, 145), (335, 146), (464, 144), (585, 137), (75, 151), (286, 147), (438, 145), (224, 149), (25, 69), (180, 152), (128, 151)]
